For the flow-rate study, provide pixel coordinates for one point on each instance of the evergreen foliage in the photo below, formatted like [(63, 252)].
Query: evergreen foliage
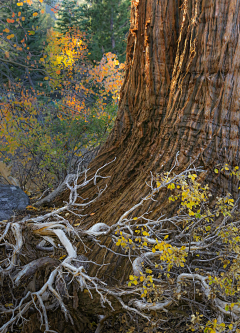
[(68, 16), (105, 22)]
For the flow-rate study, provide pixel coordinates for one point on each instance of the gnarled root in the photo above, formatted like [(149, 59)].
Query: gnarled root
[(66, 272)]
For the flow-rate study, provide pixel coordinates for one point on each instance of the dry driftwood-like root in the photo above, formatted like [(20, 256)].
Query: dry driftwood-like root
[(53, 229), (150, 267)]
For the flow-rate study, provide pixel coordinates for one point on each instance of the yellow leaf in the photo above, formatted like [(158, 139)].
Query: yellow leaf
[(7, 54), (135, 218), (19, 4), (145, 233), (31, 207), (216, 170), (191, 213), (46, 78), (35, 14), (62, 257)]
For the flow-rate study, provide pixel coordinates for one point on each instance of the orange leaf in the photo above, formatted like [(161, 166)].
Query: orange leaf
[(58, 71), (10, 36), (13, 14), (35, 14), (42, 11), (7, 54)]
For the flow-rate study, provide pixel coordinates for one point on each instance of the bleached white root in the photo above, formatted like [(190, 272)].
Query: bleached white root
[(5, 231), (16, 229), (59, 190), (32, 267), (41, 246), (152, 307), (217, 303), (48, 230), (52, 230)]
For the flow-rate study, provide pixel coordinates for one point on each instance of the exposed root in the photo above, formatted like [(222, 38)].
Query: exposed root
[(54, 230)]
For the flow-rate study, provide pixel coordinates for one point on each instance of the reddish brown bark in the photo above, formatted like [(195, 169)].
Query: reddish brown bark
[(180, 94)]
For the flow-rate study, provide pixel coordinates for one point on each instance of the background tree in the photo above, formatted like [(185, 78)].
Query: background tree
[(23, 32), (105, 22), (68, 16), (65, 115)]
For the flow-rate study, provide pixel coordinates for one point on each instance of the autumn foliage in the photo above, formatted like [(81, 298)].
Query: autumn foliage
[(65, 105)]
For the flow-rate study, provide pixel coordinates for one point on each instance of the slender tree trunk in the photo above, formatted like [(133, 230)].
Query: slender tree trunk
[(111, 29)]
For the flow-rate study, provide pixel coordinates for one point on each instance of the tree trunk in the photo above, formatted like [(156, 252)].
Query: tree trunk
[(180, 94)]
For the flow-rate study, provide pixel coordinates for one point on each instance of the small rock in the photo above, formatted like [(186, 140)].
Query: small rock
[(12, 198)]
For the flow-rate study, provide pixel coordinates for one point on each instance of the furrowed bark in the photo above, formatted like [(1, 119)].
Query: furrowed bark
[(180, 96)]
